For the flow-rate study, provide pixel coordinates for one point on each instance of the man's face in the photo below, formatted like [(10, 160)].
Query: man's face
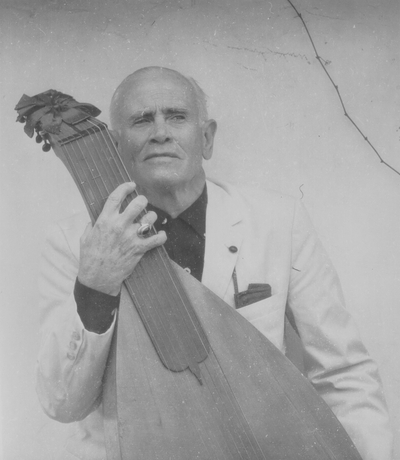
[(162, 141)]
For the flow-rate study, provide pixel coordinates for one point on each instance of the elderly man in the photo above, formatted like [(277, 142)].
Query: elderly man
[(226, 237)]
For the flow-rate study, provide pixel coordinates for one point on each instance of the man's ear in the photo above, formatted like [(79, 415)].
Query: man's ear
[(209, 130)]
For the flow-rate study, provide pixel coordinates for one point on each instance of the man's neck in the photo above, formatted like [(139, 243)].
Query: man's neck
[(174, 201)]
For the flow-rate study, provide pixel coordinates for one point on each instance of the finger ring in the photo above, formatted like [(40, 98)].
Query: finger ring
[(143, 230)]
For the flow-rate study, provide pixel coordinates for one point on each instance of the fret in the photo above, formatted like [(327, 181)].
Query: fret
[(109, 162), (82, 183), (94, 163), (72, 138), (109, 170), (81, 133), (109, 151)]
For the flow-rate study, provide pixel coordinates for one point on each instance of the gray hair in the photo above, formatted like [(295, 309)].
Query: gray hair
[(200, 96)]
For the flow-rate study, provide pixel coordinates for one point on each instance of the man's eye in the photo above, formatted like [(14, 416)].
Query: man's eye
[(141, 121), (177, 117)]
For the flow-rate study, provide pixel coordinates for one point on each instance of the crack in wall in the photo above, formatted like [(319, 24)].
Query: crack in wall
[(325, 16), (263, 54), (33, 11)]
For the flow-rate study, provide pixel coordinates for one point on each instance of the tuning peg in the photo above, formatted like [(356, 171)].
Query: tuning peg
[(39, 138), (46, 147)]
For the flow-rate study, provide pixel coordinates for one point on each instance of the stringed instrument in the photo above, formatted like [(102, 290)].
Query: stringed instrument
[(187, 376)]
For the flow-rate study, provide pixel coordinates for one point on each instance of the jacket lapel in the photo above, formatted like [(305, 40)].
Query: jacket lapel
[(224, 232)]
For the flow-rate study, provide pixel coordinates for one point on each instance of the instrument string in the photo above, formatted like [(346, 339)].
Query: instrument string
[(80, 181), (86, 177), (94, 172)]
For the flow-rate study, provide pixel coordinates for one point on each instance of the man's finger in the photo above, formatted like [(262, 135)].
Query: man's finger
[(143, 227), (116, 197), (149, 218), (134, 208), (155, 240)]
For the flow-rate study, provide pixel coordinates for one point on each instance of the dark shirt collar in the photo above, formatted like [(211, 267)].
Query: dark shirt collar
[(194, 215)]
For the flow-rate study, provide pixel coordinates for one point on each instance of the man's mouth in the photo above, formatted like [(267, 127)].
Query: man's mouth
[(161, 155)]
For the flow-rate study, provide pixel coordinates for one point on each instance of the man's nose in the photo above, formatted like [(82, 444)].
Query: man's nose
[(161, 132)]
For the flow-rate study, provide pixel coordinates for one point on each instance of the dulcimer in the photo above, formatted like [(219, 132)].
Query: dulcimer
[(187, 376)]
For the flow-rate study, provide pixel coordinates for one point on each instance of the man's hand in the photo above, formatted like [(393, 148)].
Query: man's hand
[(111, 249)]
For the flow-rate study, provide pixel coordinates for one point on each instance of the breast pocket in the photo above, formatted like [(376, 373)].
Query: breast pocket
[(268, 317)]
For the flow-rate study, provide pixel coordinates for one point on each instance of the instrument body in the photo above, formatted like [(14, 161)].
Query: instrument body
[(187, 376)]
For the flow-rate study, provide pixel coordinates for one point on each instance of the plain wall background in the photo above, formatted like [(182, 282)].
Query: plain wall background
[(281, 126)]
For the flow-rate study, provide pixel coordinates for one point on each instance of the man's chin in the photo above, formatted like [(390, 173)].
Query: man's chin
[(160, 181)]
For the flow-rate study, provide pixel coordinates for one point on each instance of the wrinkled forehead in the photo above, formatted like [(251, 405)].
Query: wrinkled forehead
[(157, 89)]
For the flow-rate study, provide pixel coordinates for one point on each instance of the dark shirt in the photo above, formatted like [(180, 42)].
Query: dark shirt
[(185, 246), (186, 235)]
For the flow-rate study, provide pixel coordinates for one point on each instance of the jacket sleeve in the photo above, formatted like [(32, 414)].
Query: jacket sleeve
[(336, 361), (71, 360)]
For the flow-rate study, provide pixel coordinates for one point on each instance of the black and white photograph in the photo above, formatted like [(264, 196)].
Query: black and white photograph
[(200, 232)]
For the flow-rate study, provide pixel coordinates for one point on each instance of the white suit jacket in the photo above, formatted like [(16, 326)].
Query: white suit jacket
[(276, 245)]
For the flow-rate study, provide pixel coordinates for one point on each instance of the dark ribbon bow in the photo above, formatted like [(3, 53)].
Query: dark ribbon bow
[(46, 111)]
